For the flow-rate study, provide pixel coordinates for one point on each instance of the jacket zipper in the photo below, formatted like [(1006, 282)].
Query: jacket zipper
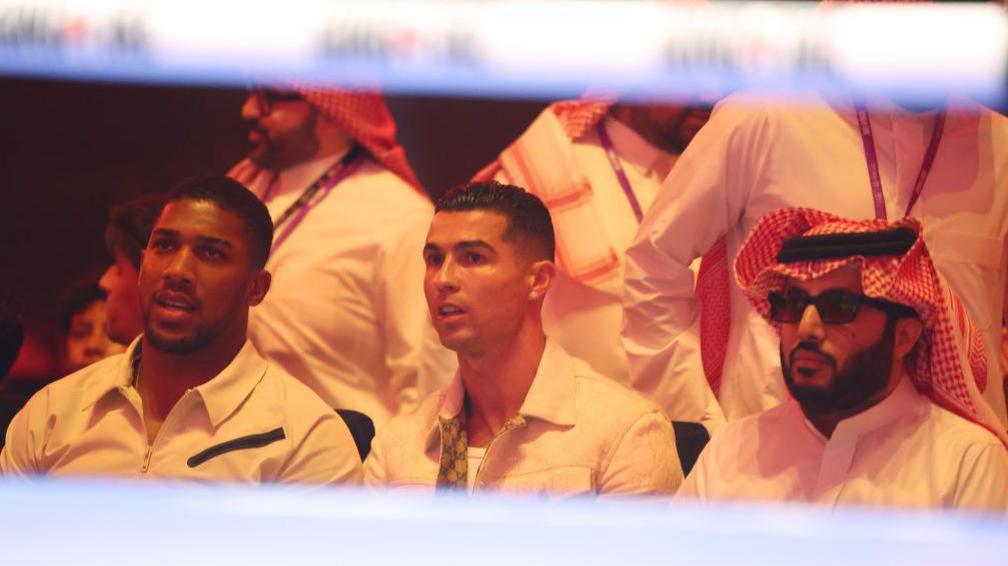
[(508, 426), (157, 438)]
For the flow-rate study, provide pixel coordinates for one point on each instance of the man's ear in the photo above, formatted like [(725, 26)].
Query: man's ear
[(541, 274), (908, 331), (257, 287)]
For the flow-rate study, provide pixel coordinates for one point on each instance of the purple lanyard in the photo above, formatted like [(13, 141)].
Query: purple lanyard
[(314, 194), (617, 168), (871, 158)]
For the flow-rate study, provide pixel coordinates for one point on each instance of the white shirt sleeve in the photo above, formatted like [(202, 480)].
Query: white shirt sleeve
[(983, 484), (324, 455), (375, 474), (703, 198)]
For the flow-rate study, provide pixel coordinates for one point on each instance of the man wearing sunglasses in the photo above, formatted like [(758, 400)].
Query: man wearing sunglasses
[(758, 153), (350, 218), (884, 371)]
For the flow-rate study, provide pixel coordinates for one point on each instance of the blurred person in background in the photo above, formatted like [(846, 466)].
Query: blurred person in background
[(84, 323), (350, 218), (597, 165), (126, 236)]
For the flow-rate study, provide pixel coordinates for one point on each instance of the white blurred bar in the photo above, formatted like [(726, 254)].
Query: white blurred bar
[(501, 48), (75, 522)]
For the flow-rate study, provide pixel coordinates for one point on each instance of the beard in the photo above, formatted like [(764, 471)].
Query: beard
[(863, 377), (182, 345), (196, 338), (280, 150)]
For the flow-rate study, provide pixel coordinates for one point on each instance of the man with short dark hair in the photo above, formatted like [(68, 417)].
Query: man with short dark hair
[(126, 236), (883, 368), (520, 414), (190, 398), (350, 217)]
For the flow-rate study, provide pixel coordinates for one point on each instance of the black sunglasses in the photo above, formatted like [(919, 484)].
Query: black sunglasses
[(265, 99), (834, 307)]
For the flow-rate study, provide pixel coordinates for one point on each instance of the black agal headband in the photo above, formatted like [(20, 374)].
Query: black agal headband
[(895, 241)]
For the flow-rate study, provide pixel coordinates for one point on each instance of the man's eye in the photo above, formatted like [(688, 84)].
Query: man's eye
[(474, 258), (162, 245), (212, 253), (433, 259)]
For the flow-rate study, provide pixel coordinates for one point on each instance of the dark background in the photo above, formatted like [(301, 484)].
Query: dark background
[(71, 150)]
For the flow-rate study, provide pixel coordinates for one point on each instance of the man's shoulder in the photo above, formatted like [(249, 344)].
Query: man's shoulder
[(80, 387), (373, 182), (956, 434), (600, 394), (292, 394), (422, 417), (759, 108)]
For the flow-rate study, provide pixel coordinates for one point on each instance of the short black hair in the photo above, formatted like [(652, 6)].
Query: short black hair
[(232, 196), (129, 226), (527, 216)]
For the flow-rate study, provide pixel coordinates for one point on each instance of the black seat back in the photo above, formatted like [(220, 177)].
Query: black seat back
[(361, 428), (690, 441)]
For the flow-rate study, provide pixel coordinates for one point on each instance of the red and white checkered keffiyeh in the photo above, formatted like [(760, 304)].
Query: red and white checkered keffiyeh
[(366, 118), (580, 116), (950, 366), (577, 117), (540, 161)]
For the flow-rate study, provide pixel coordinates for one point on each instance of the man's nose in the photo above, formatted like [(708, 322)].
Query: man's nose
[(180, 267), (107, 281), (250, 109), (810, 327), (446, 276)]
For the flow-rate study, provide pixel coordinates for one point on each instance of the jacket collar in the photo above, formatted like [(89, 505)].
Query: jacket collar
[(226, 391), (221, 395), (551, 397)]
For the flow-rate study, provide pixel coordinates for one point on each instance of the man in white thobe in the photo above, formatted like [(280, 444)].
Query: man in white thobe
[(882, 366), (350, 220), (598, 166), (756, 155)]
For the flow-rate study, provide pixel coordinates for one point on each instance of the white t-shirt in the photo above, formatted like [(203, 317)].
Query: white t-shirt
[(474, 457)]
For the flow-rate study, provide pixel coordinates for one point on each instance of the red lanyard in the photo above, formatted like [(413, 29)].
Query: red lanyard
[(295, 213), (618, 170), (871, 158)]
